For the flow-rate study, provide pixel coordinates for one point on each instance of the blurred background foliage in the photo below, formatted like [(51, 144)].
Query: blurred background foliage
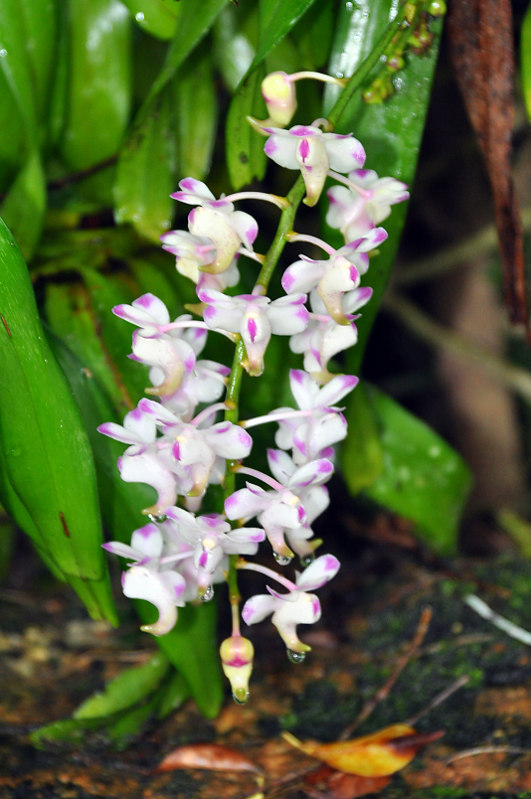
[(104, 107)]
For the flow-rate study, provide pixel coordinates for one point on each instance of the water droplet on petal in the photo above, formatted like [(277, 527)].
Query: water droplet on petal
[(307, 559), (295, 657), (157, 517), (207, 594), (282, 560), (241, 696)]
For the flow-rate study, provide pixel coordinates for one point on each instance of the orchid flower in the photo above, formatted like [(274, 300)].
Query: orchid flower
[(255, 318), (314, 153), (297, 606)]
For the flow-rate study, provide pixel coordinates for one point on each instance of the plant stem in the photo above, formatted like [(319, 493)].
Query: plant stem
[(363, 70)]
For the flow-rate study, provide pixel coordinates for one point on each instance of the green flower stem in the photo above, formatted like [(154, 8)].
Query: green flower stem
[(364, 69)]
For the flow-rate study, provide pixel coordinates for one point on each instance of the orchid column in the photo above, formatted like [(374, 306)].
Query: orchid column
[(176, 442)]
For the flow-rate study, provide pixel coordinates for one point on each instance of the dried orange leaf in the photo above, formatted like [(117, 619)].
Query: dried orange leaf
[(206, 756), (339, 785), (375, 755)]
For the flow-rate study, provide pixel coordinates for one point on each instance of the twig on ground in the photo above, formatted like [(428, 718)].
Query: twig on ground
[(386, 688), (439, 699), (508, 627)]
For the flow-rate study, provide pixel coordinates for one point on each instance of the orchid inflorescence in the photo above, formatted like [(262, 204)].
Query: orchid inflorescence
[(180, 451)]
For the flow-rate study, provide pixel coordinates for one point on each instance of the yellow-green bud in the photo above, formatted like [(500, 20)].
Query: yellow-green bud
[(278, 92), (237, 655)]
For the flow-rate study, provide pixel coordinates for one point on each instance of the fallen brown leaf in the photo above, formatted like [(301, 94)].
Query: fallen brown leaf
[(206, 756), (339, 785), (376, 755)]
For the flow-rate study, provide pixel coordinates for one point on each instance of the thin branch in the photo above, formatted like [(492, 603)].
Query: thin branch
[(487, 750), (513, 377), (481, 243), (384, 691), (440, 698)]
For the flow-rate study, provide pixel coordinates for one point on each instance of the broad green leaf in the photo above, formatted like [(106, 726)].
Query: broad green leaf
[(391, 131), (69, 731), (246, 159), (172, 694), (71, 317), (193, 26), (12, 140), (152, 278), (423, 478), (192, 648), (145, 174), (125, 690), (47, 466), (99, 87), (121, 502), (157, 17), (235, 32), (313, 38), (277, 18), (105, 292), (525, 59), (39, 21), (361, 456), (197, 113), (144, 158), (25, 203), (15, 65)]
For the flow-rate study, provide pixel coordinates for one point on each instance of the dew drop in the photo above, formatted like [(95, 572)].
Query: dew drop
[(207, 594), (3, 52), (241, 696), (139, 16), (157, 517), (307, 559), (295, 657), (282, 560)]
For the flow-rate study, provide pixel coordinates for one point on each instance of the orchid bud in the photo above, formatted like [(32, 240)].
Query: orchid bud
[(278, 92), (237, 655)]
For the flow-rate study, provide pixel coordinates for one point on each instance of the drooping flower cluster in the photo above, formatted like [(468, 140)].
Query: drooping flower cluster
[(179, 445)]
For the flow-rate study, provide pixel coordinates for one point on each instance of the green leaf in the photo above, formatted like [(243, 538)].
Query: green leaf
[(423, 478), (15, 65), (125, 690), (121, 502), (47, 468), (99, 89), (313, 39), (277, 18), (246, 159), (105, 292), (235, 32), (391, 131), (196, 101), (157, 17), (145, 175), (361, 455), (39, 21), (525, 59), (191, 647), (172, 694), (71, 731), (24, 206)]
